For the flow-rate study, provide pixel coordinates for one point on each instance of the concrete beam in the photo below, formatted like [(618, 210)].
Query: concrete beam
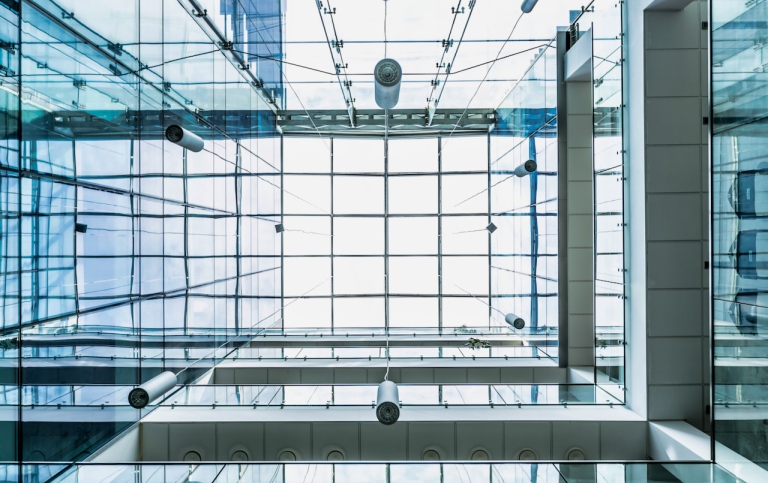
[(678, 441), (667, 5)]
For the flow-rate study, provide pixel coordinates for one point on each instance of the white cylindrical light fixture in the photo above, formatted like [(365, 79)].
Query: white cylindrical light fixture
[(528, 5), (525, 169), (387, 403), (387, 76), (187, 140), (141, 396), (514, 321)]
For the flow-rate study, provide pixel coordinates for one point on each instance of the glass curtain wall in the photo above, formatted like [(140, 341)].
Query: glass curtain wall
[(739, 87), (604, 18), (10, 240), (392, 473), (401, 237), (123, 254), (524, 263)]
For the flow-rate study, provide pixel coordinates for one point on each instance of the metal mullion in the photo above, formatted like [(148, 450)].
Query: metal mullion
[(386, 237), (371, 174), (440, 239), (35, 240), (131, 202), (393, 255), (26, 173), (332, 258), (401, 215), (185, 159), (238, 229), (19, 311), (490, 244), (132, 214), (282, 238)]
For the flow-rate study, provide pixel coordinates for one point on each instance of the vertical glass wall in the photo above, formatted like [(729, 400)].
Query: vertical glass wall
[(524, 261), (739, 163), (604, 18), (10, 240), (123, 254)]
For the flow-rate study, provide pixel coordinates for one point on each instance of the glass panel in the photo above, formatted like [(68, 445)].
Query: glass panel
[(608, 177), (358, 195), (358, 156), (413, 194), (739, 182)]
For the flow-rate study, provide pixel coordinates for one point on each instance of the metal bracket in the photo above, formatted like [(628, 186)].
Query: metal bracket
[(116, 49), (9, 46)]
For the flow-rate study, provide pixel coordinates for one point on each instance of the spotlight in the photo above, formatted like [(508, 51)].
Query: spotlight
[(187, 140), (514, 321), (387, 76), (279, 228), (141, 396), (387, 403), (528, 5), (491, 228), (525, 169)]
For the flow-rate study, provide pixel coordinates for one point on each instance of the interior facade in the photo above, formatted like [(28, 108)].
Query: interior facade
[(383, 240)]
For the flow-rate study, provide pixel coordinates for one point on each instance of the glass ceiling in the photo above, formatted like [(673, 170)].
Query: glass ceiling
[(415, 34)]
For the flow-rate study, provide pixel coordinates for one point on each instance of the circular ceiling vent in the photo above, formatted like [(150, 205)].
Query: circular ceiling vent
[(480, 455), (575, 454), (527, 455), (430, 455), (335, 455), (192, 456), (287, 455), (239, 455)]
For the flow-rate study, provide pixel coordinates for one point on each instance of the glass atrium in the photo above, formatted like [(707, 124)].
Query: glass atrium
[(522, 245)]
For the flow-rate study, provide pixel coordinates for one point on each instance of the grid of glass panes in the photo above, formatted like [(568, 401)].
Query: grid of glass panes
[(373, 233), (739, 221), (524, 253), (114, 239)]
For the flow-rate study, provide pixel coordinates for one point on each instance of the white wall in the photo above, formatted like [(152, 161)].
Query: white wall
[(668, 213)]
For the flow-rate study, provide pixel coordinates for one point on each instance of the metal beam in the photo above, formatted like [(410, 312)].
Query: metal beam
[(372, 121)]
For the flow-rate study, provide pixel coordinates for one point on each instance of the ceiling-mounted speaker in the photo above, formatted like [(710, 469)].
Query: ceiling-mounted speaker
[(387, 77)]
